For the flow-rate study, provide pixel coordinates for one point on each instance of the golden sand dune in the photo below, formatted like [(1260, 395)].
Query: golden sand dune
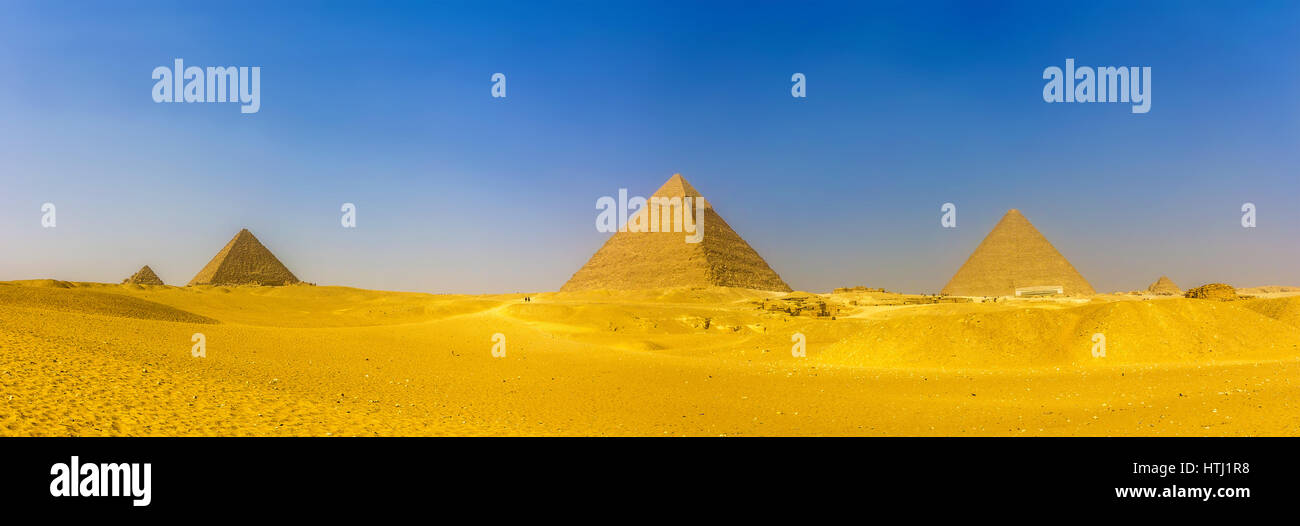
[(60, 296), (1284, 309), (303, 305), (1172, 331), (304, 360)]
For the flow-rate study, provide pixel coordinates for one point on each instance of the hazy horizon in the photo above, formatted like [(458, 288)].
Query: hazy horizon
[(908, 108)]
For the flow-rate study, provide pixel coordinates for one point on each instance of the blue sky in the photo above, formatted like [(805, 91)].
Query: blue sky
[(910, 105)]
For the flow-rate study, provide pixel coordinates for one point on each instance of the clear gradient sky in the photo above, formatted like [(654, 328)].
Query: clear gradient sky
[(388, 106)]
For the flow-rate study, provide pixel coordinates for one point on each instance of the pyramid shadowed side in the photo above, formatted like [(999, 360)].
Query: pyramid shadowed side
[(648, 260), (1015, 255), (244, 261)]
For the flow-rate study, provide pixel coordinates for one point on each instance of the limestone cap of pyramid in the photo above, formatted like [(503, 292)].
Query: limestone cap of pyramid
[(676, 186)]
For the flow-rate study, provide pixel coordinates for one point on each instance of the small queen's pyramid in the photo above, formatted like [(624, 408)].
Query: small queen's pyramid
[(1016, 260), (650, 260), (244, 261), (145, 276), (1165, 287)]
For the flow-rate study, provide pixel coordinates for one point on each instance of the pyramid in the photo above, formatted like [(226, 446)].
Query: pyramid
[(649, 260), (1014, 260), (1165, 287), (244, 261), (145, 276)]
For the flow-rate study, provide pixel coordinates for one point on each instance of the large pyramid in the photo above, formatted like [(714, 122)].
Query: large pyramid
[(648, 260), (1015, 260), (244, 261), (145, 276)]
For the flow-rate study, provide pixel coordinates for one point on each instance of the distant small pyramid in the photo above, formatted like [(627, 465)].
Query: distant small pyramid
[(145, 276), (1165, 287), (650, 260), (1013, 260), (244, 261)]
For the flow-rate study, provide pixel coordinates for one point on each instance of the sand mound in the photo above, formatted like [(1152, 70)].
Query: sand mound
[(1016, 258), (652, 260), (145, 276), (1269, 289), (89, 302), (43, 283), (1165, 287), (300, 306), (1285, 310), (1213, 291), (1158, 331), (244, 261)]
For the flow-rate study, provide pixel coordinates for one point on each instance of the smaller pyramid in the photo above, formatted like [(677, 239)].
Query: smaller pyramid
[(1165, 287), (145, 276), (244, 261)]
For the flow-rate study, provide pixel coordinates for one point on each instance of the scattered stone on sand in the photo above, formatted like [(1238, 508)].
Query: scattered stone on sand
[(1213, 291)]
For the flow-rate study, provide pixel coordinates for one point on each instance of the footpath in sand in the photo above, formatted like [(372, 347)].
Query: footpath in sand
[(94, 359)]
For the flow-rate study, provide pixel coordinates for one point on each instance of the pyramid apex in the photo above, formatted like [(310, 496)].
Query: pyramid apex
[(676, 186), (1015, 211)]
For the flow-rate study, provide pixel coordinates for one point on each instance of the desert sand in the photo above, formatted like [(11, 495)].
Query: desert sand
[(105, 359)]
